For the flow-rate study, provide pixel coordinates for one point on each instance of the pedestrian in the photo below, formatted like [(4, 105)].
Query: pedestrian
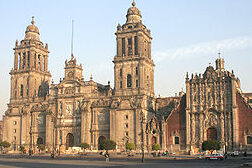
[(107, 156)]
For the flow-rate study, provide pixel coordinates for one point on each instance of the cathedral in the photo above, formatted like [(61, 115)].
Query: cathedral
[(73, 111)]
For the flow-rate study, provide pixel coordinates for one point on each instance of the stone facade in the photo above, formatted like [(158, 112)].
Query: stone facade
[(75, 110), (214, 107), (211, 107)]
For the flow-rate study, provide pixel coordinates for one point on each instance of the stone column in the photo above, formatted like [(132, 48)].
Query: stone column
[(41, 62), (16, 61), (193, 129), (201, 128), (149, 49), (36, 60), (32, 53), (49, 131), (21, 60), (82, 127), (140, 45), (222, 128), (46, 63), (126, 47), (133, 46)]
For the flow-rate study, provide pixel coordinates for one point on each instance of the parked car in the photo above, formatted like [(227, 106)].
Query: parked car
[(216, 156), (235, 153)]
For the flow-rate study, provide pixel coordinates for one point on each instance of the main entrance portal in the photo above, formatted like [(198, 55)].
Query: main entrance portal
[(69, 140), (211, 133)]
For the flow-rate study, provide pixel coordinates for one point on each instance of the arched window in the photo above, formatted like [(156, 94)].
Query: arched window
[(121, 73), (27, 91), (121, 84), (136, 70), (130, 46), (176, 140), (24, 60), (19, 62), (249, 140), (39, 61), (129, 81), (28, 59), (21, 90), (43, 63), (35, 58)]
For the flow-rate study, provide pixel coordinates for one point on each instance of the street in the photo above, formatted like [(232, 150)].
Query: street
[(17, 161)]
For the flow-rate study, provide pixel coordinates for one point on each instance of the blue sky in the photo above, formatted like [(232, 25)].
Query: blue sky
[(187, 35)]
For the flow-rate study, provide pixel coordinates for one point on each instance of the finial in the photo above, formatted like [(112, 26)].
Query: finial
[(32, 22), (72, 56), (133, 3), (219, 53), (91, 77)]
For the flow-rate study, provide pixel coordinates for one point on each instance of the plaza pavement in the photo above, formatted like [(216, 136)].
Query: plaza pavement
[(23, 161)]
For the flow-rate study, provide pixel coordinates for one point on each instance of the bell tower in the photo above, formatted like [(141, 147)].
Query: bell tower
[(30, 76), (133, 64)]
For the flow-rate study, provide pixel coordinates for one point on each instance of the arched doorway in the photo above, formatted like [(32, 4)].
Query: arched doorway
[(211, 133), (153, 140), (69, 140), (100, 140), (40, 141)]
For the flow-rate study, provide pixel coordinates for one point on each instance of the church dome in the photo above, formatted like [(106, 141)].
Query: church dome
[(133, 14), (32, 31)]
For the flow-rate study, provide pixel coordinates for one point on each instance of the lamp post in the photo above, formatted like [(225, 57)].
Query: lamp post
[(60, 141), (30, 147), (52, 154), (142, 137)]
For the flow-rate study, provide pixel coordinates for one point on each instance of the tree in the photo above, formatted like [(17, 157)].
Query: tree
[(156, 147), (41, 147), (84, 146), (211, 145), (130, 146), (5, 144), (22, 148), (108, 144)]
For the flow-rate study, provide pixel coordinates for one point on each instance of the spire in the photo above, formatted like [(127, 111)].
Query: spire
[(32, 22)]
